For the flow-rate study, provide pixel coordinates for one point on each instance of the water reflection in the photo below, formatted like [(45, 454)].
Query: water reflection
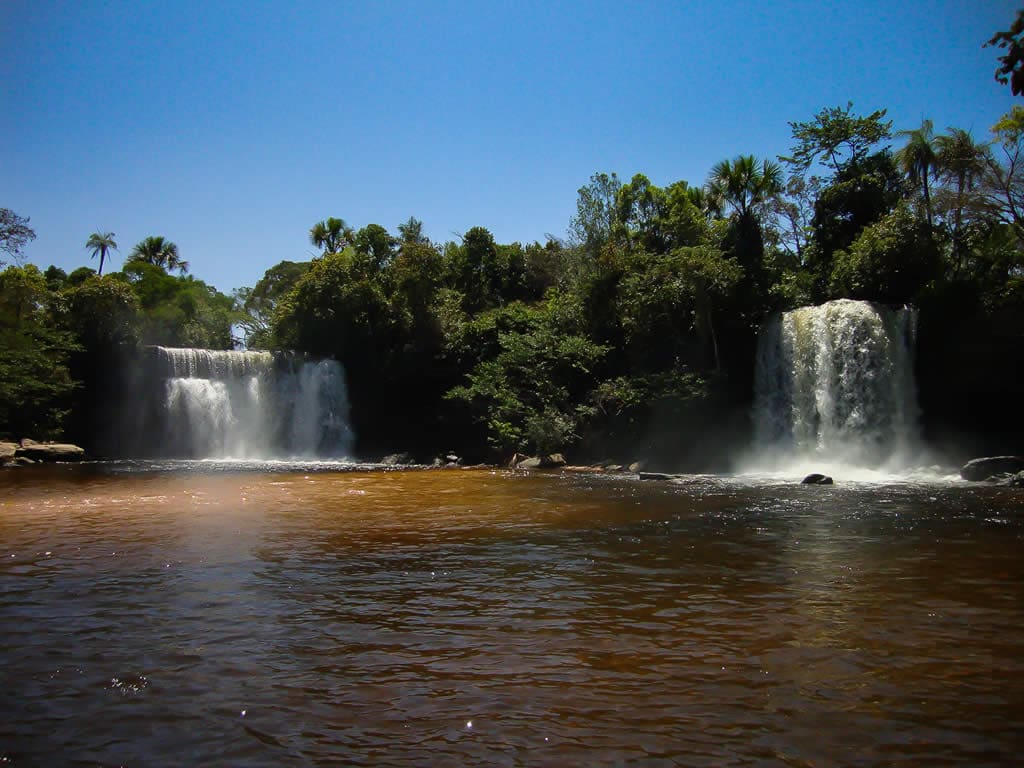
[(368, 617)]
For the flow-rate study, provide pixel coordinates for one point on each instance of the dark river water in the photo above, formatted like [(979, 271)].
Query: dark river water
[(458, 617)]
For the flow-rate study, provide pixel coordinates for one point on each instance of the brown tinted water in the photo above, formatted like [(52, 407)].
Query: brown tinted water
[(492, 618)]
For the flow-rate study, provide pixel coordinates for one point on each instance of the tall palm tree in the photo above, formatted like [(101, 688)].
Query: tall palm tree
[(161, 252), (917, 159), (744, 183), (330, 235), (960, 162), (101, 244)]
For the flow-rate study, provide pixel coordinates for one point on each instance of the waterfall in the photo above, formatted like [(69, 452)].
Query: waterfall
[(250, 405), (835, 383)]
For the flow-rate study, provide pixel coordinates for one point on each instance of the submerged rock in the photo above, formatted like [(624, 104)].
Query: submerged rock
[(984, 468), (816, 479), (656, 476)]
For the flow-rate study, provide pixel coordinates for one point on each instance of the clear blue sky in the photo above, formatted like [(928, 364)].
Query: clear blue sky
[(232, 127)]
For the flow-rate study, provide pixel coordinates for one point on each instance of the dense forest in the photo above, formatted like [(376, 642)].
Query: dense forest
[(633, 336)]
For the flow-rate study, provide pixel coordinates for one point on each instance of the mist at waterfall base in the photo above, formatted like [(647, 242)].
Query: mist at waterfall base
[(835, 393), (244, 406)]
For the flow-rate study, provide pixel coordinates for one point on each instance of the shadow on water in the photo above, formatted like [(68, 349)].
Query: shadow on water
[(451, 617)]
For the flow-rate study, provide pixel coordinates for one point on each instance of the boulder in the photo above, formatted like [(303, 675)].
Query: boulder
[(7, 452), (49, 452), (816, 479), (398, 459), (1017, 481), (636, 466), (540, 462), (513, 463), (984, 468)]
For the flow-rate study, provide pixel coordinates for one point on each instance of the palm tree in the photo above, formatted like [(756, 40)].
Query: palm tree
[(744, 183), (412, 232), (161, 252), (330, 235), (961, 162), (917, 159), (101, 244)]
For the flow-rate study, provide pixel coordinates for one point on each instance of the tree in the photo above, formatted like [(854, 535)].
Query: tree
[(917, 159), (101, 244), (412, 232), (374, 242), (836, 136), (1003, 188), (596, 212), (960, 162), (1011, 68), (528, 393), (35, 384), (890, 261), (744, 184), (159, 252), (261, 301), (15, 234), (859, 195), (330, 235)]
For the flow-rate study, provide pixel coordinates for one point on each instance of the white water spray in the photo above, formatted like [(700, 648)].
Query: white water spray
[(252, 405), (835, 388)]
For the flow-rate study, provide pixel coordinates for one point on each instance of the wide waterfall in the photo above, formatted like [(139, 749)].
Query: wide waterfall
[(835, 386), (249, 405)]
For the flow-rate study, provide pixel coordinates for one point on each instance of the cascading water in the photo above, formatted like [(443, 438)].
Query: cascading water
[(251, 405), (835, 386)]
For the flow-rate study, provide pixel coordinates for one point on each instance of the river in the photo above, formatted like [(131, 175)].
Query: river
[(215, 615)]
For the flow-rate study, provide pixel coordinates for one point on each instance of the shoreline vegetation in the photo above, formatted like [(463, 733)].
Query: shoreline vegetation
[(633, 337)]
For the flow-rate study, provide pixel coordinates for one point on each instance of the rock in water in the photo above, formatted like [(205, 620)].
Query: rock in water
[(816, 479), (984, 468), (7, 451), (48, 452)]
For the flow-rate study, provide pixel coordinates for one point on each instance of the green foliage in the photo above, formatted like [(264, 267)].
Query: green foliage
[(596, 216), (35, 384), (1011, 63), (104, 313), (330, 235), (337, 309), (891, 261), (178, 311), (159, 252), (374, 242), (837, 137), (529, 393), (259, 303), (860, 194)]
